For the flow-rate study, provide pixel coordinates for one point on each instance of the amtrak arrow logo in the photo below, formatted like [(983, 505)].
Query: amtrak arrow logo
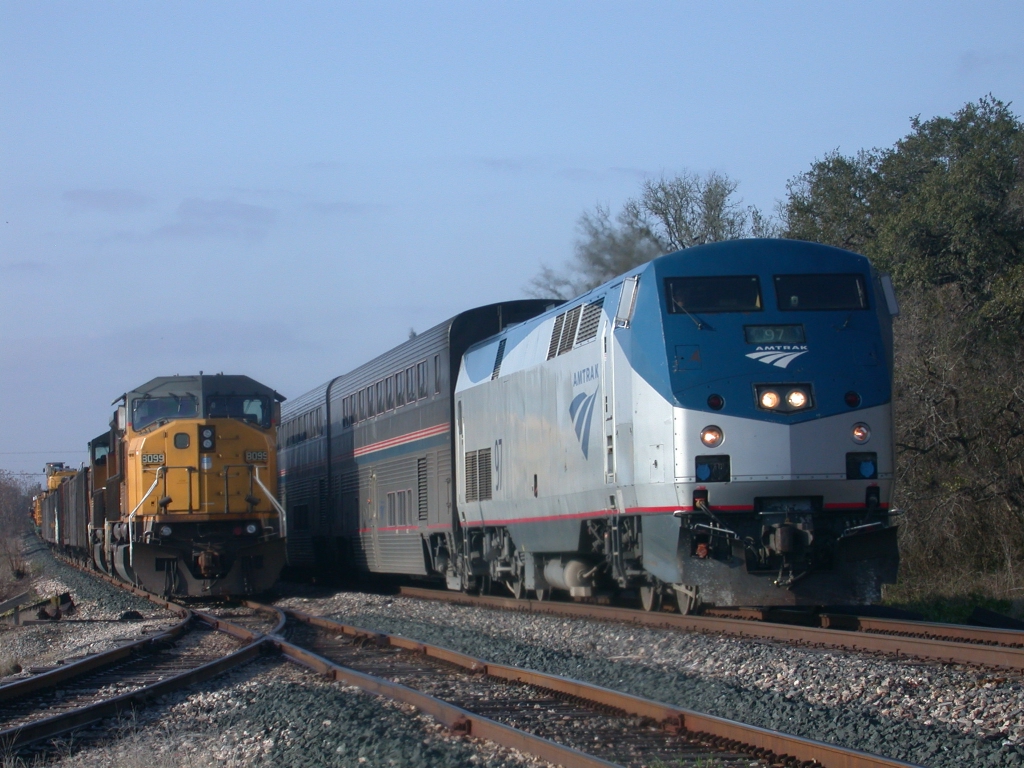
[(581, 411), (779, 356)]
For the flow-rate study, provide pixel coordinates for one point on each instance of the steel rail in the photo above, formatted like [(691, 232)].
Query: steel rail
[(51, 727), (896, 645), (723, 733), (1013, 638), (455, 718), (727, 732), (61, 674)]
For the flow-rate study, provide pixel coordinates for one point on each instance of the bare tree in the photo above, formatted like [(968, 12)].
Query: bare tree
[(15, 496), (668, 215)]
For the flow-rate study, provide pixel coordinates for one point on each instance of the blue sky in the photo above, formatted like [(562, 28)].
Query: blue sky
[(285, 189)]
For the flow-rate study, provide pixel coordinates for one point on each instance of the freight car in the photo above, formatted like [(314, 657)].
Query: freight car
[(180, 495), (715, 425)]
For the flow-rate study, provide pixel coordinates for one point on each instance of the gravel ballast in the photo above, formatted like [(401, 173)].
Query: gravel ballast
[(931, 714), (274, 713), (95, 625), (269, 712), (926, 713)]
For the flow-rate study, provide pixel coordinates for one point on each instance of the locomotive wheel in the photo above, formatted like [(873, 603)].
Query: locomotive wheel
[(650, 597), (687, 598)]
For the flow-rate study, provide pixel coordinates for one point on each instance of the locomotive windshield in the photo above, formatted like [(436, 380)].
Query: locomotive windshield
[(800, 292), (149, 410), (713, 294), (250, 408)]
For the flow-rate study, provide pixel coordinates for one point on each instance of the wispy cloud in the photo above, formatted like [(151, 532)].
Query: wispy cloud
[(986, 63), (592, 175), (106, 200), (345, 208), (218, 218)]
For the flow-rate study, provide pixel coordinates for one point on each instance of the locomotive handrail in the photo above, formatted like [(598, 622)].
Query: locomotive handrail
[(131, 518), (273, 500)]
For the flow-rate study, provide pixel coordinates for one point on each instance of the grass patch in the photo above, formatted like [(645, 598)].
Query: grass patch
[(953, 603)]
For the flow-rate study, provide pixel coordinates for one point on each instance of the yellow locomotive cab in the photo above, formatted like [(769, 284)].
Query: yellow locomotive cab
[(190, 487)]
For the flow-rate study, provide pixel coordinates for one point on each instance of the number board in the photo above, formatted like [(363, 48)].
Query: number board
[(152, 458), (255, 455)]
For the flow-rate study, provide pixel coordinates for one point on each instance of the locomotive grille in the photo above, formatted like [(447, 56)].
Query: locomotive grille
[(471, 484), (556, 334), (589, 322), (484, 473), (572, 319), (571, 329), (478, 475)]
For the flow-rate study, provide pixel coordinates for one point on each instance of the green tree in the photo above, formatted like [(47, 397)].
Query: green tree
[(943, 211), (944, 205), (668, 215)]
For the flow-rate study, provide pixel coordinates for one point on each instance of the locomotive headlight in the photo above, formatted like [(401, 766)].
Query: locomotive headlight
[(165, 530), (861, 433), (797, 398), (712, 436), (251, 528), (769, 399)]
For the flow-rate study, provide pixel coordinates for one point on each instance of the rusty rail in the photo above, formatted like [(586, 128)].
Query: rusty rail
[(896, 645), (65, 672), (728, 732), (51, 727)]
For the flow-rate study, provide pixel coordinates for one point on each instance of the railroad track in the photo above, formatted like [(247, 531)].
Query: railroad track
[(83, 692), (563, 721), (924, 640)]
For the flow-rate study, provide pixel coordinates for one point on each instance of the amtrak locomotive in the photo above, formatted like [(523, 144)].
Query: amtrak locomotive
[(714, 426)]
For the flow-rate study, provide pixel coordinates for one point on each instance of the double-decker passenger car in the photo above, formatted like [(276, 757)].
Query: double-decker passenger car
[(715, 425), (366, 458)]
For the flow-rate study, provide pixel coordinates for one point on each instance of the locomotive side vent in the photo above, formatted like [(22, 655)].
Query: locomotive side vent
[(471, 484), (484, 473), (572, 320), (556, 334), (478, 475), (589, 322), (497, 360)]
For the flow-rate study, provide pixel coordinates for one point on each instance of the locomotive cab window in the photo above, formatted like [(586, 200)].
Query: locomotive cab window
[(817, 292), (713, 294), (150, 410), (249, 408)]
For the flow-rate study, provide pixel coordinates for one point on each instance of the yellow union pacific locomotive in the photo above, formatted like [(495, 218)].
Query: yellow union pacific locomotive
[(181, 491)]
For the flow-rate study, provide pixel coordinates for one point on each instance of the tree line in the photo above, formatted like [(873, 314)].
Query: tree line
[(942, 211)]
